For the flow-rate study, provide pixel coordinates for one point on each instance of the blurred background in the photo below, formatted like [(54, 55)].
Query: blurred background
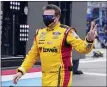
[(20, 19), (97, 11)]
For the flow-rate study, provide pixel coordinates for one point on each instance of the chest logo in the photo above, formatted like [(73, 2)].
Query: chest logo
[(50, 50), (42, 36), (41, 43), (56, 33)]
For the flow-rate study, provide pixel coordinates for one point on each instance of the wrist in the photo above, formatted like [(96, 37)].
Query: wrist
[(19, 71), (89, 41)]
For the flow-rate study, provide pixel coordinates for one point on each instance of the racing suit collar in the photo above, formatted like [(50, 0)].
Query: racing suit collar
[(55, 27)]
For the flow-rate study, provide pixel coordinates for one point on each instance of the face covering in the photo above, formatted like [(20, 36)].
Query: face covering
[(48, 19)]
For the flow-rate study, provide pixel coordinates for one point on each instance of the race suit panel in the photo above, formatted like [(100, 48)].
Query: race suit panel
[(55, 50)]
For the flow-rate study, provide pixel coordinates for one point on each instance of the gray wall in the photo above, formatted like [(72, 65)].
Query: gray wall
[(78, 21), (34, 20)]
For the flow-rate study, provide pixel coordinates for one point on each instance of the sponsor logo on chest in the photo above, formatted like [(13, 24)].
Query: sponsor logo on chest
[(54, 49), (56, 35), (50, 50), (42, 36), (41, 43)]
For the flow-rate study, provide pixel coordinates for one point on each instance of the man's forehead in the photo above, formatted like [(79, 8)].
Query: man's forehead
[(49, 12)]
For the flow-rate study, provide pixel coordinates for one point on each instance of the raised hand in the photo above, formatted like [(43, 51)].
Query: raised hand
[(93, 32)]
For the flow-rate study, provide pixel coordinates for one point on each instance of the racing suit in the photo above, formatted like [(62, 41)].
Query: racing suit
[(54, 48)]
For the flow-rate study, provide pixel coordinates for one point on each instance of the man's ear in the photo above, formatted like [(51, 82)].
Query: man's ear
[(58, 17)]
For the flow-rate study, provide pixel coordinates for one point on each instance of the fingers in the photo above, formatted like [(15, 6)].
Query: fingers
[(93, 32), (16, 78), (95, 27), (91, 36), (92, 25)]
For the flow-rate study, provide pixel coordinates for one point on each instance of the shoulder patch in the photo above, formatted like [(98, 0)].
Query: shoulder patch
[(74, 34)]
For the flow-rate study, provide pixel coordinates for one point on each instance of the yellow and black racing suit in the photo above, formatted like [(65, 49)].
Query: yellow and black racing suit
[(54, 48)]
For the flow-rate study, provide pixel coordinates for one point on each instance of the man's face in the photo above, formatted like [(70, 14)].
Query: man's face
[(51, 14)]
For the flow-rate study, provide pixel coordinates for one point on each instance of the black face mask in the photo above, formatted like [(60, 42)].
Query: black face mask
[(48, 19)]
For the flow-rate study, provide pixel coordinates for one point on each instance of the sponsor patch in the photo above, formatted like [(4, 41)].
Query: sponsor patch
[(56, 33), (55, 37), (75, 35), (42, 36), (89, 46), (54, 50), (41, 43)]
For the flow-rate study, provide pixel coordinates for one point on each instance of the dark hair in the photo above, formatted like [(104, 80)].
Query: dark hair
[(53, 7)]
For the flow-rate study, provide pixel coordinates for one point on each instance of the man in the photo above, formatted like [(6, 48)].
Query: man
[(53, 45)]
